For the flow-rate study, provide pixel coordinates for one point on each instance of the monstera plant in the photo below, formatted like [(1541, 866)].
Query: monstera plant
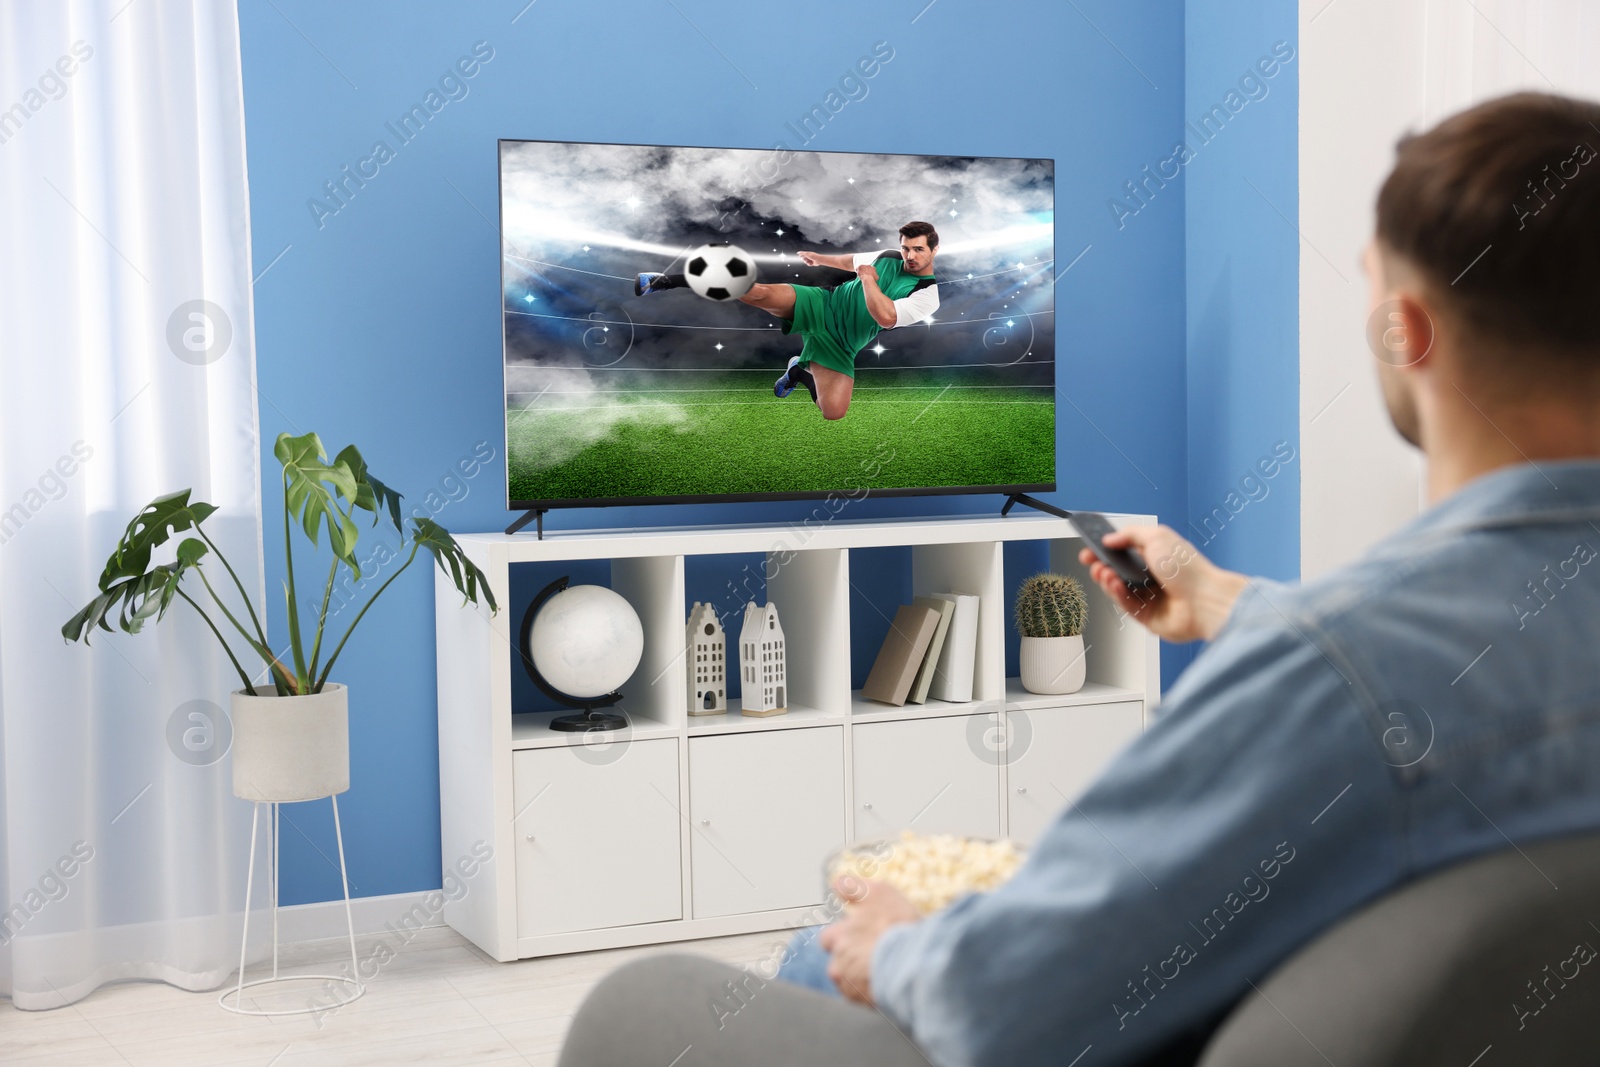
[(323, 499)]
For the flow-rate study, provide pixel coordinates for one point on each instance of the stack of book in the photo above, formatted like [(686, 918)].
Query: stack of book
[(929, 652)]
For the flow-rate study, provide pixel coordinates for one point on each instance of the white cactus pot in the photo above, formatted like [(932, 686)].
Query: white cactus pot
[(1049, 666), (287, 749)]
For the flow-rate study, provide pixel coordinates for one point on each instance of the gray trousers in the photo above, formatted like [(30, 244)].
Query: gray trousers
[(686, 1010)]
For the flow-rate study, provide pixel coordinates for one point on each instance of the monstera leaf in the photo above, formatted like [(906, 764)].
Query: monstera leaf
[(371, 494), (151, 528), (140, 596), (307, 476), (447, 554)]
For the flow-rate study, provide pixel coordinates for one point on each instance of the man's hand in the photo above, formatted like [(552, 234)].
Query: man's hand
[(1195, 595), (814, 259), (873, 908), (867, 273)]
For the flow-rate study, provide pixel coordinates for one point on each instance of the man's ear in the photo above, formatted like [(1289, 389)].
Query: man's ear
[(1400, 331)]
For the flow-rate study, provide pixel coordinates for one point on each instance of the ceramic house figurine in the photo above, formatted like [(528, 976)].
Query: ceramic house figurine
[(708, 662), (763, 678)]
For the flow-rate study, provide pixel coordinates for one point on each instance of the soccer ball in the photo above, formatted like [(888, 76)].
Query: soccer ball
[(720, 272)]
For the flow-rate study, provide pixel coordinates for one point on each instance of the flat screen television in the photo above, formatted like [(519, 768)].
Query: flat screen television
[(635, 372)]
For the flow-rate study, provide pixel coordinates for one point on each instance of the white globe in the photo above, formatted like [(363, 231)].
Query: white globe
[(586, 641), (720, 272)]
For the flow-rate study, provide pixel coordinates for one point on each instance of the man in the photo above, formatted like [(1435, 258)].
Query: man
[(889, 289), (1430, 703)]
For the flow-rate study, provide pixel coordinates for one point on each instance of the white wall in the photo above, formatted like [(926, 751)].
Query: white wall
[(1371, 70)]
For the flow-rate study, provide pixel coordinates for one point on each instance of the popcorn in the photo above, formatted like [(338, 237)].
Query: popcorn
[(933, 870)]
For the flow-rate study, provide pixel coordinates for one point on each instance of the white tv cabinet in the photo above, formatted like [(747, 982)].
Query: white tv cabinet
[(687, 827)]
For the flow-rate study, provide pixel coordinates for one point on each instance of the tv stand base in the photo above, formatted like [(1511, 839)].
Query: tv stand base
[(534, 515), (1032, 502)]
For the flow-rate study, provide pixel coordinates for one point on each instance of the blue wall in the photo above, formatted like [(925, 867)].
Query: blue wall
[(1243, 278), (380, 326)]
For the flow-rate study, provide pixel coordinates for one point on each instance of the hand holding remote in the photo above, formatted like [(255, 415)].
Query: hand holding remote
[(1193, 596)]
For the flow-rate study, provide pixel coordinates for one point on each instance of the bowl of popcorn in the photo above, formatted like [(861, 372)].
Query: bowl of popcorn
[(931, 870)]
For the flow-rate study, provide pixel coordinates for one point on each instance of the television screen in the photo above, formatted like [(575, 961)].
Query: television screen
[(696, 324)]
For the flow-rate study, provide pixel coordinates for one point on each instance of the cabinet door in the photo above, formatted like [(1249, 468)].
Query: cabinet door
[(1061, 752), (765, 810), (597, 843), (934, 776)]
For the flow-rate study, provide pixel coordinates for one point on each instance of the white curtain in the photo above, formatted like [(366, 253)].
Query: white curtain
[(127, 371)]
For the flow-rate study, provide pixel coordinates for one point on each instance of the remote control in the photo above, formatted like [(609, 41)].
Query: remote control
[(1126, 562)]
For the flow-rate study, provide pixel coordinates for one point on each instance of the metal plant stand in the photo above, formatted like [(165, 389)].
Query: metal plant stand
[(350, 984)]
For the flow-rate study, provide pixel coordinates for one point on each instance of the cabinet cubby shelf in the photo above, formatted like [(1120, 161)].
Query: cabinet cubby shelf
[(864, 710), (531, 729), (1016, 699), (797, 716), (1019, 699), (700, 826)]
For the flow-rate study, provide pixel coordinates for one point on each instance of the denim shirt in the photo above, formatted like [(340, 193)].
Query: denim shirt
[(1437, 699)]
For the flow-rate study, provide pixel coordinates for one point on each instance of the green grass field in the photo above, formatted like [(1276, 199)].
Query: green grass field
[(727, 433)]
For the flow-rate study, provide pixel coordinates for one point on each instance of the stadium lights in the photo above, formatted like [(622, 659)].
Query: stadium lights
[(550, 230)]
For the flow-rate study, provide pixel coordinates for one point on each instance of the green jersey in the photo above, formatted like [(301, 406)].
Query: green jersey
[(836, 323)]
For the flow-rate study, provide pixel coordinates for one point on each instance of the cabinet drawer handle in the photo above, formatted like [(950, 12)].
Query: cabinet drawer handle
[(530, 837), (705, 822), (1022, 789), (867, 807)]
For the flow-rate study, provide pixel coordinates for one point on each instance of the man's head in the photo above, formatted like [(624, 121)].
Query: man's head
[(1485, 268), (919, 243)]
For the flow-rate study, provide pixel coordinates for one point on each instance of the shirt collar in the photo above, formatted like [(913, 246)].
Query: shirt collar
[(1520, 495)]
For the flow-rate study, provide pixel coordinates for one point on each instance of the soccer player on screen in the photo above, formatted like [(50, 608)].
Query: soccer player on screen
[(890, 288)]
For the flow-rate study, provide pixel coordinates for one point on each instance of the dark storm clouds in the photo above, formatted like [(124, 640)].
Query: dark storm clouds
[(638, 208)]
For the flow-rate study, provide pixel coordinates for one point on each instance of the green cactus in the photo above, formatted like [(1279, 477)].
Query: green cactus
[(1051, 605)]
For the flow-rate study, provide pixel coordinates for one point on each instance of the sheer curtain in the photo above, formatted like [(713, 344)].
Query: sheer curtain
[(127, 370)]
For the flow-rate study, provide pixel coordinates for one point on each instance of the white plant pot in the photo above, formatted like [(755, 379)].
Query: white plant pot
[(287, 749), (1049, 666)]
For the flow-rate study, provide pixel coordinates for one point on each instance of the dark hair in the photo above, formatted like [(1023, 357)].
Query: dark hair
[(921, 229), (1499, 207)]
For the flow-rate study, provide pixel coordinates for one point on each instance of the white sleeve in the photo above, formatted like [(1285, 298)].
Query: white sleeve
[(916, 307), (861, 259)]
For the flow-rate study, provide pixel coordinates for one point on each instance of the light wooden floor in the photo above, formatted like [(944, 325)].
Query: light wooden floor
[(438, 1001)]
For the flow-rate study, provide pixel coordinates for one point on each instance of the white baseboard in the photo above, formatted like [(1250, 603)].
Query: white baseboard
[(371, 915)]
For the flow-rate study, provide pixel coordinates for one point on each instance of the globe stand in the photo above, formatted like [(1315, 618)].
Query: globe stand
[(589, 720), (592, 718)]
